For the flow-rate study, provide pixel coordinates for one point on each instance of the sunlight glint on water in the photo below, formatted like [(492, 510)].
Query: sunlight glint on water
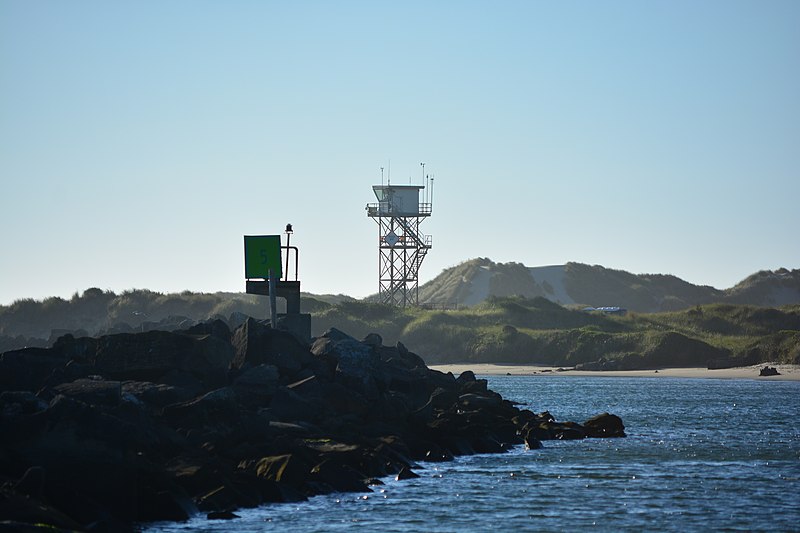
[(700, 455)]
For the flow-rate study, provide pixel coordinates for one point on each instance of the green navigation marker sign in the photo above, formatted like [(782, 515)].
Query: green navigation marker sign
[(262, 253)]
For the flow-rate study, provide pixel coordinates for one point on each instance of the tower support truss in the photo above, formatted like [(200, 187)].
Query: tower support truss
[(401, 249)]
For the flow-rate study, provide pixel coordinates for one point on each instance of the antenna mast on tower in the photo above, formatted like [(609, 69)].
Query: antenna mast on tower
[(401, 245)]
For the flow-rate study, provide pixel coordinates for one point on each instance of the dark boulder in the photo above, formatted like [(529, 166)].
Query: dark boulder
[(256, 344), (220, 405), (28, 368), (142, 356), (92, 391), (81, 349), (226, 497), (604, 425), (198, 474), (73, 370), (567, 431), (290, 406), (411, 359), (256, 386), (398, 376), (531, 442), (19, 513), (406, 473), (769, 371), (31, 483), (466, 376), (357, 364), (150, 355), (343, 400), (185, 381), (443, 398), (374, 340), (476, 401), (288, 469), (20, 403), (156, 395), (476, 386), (210, 360), (437, 454), (390, 408), (96, 464), (335, 475), (216, 328)]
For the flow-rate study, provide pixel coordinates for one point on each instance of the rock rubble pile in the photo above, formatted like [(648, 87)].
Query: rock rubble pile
[(101, 434)]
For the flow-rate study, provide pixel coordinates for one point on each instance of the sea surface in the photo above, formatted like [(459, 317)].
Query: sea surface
[(701, 455)]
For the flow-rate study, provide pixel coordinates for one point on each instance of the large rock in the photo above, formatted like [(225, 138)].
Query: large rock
[(81, 349), (257, 385), (28, 368), (288, 469), (156, 395), (356, 363), (217, 406), (92, 391), (149, 356), (216, 328), (332, 475), (604, 425), (289, 406), (94, 464), (255, 344), (15, 403), (20, 514), (345, 401)]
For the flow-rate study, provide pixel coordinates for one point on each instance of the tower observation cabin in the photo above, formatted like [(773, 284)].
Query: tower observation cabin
[(401, 246)]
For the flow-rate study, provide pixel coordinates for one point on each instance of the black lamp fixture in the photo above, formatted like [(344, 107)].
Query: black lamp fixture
[(288, 237)]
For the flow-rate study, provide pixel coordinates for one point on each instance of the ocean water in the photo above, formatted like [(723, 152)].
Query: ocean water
[(701, 455)]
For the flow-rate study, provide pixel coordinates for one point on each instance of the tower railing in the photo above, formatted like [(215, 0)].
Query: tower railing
[(374, 210)]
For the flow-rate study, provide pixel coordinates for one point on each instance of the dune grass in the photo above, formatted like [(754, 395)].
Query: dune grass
[(512, 329), (535, 330)]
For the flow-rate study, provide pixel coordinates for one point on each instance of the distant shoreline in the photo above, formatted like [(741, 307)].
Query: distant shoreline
[(787, 372)]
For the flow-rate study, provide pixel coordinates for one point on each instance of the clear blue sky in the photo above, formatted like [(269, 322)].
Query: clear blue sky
[(139, 141)]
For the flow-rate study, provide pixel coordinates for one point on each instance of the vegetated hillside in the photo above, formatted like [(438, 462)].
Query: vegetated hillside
[(31, 322), (487, 312), (474, 281), (767, 287), (522, 330), (499, 329), (599, 286)]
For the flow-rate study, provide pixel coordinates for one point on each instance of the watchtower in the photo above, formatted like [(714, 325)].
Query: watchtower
[(401, 246)]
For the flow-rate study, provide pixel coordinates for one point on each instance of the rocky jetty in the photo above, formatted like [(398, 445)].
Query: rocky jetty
[(102, 434)]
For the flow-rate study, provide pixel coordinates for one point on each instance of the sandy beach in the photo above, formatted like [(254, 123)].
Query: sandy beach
[(787, 372)]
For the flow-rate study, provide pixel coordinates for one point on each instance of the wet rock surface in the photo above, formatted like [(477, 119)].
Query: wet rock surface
[(103, 434)]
